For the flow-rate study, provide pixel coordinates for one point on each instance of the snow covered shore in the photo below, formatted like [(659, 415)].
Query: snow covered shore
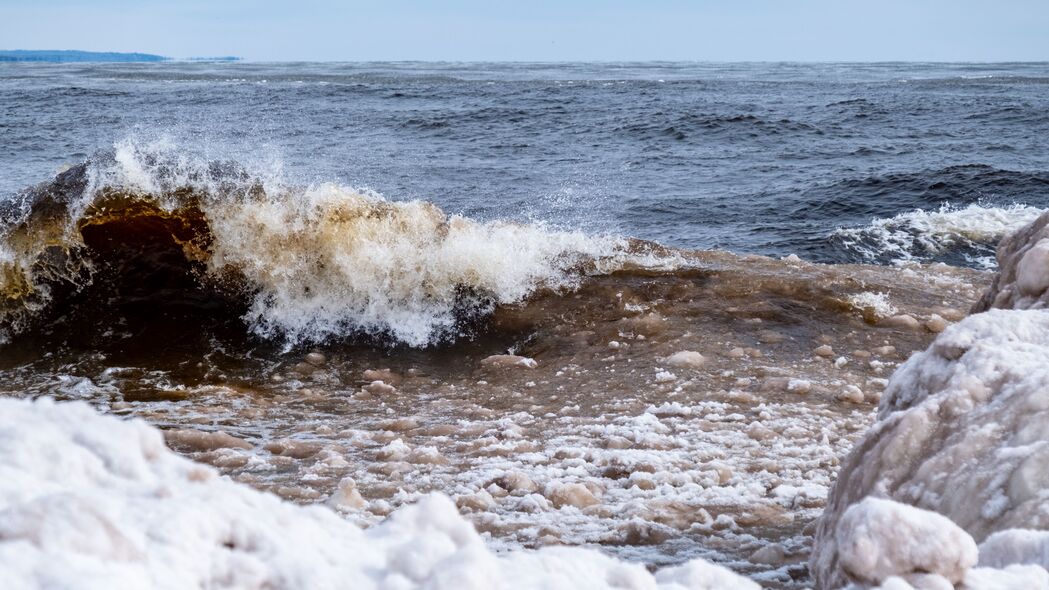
[(962, 433), (92, 502)]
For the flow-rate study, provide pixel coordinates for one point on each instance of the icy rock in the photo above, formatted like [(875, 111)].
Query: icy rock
[(724, 474), (1022, 281), (799, 386), (479, 502), (878, 538), (686, 359), (851, 394), (515, 481), (758, 431), (736, 353), (196, 440), (89, 501), (772, 554), (384, 375), (902, 321), (962, 429), (401, 425), (637, 531), (397, 450), (642, 480), (665, 377), (1015, 546), (824, 351), (346, 495), (427, 456), (570, 494), (936, 324), (296, 449), (380, 388), (509, 361), (316, 359)]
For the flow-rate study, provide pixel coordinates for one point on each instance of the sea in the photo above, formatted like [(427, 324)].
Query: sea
[(856, 162), (641, 307)]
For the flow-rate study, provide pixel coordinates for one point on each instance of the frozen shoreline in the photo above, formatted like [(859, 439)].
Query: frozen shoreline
[(89, 501)]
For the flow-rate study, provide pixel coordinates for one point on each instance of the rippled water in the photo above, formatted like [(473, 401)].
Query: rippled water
[(219, 268), (762, 158)]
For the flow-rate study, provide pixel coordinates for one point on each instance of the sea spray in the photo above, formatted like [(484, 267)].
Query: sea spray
[(311, 263)]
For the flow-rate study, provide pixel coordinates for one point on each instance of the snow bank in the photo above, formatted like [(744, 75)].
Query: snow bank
[(962, 430), (93, 502), (880, 538), (1022, 281)]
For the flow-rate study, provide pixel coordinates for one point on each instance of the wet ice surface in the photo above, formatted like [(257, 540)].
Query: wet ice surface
[(612, 438)]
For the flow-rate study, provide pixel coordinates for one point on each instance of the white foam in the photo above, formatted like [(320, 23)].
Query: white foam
[(88, 501), (331, 260), (878, 302), (327, 260), (914, 234)]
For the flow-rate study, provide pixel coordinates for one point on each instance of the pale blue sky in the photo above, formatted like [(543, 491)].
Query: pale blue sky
[(541, 30)]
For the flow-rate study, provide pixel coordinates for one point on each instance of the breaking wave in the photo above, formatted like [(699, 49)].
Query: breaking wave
[(966, 235), (300, 265)]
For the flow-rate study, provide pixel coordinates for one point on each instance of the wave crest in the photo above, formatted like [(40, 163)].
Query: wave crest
[(971, 233), (307, 263)]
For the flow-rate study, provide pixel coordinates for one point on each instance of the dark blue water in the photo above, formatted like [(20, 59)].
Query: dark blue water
[(761, 158)]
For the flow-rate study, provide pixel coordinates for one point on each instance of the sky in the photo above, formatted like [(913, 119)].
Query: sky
[(539, 30)]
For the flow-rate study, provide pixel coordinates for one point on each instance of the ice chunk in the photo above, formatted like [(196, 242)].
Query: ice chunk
[(1019, 546), (879, 538)]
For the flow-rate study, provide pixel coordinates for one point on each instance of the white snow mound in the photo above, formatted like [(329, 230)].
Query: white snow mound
[(94, 502), (962, 430), (1022, 281), (880, 538)]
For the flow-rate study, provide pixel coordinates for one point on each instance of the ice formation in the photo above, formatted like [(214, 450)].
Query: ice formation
[(89, 501), (1023, 277), (962, 432)]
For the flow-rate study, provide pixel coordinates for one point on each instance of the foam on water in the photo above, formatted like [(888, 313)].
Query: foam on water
[(327, 260), (923, 235), (331, 260)]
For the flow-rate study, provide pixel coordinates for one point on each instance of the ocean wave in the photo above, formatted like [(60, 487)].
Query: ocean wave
[(304, 264), (971, 232)]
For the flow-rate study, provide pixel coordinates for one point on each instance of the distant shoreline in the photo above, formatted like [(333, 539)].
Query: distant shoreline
[(70, 55)]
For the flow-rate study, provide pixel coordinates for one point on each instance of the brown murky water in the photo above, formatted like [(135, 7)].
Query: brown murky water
[(606, 439)]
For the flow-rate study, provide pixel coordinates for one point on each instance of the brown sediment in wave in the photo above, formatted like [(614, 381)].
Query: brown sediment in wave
[(660, 403), (304, 264), (611, 436)]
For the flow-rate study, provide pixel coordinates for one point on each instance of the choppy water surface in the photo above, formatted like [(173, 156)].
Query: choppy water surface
[(762, 158), (359, 283)]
